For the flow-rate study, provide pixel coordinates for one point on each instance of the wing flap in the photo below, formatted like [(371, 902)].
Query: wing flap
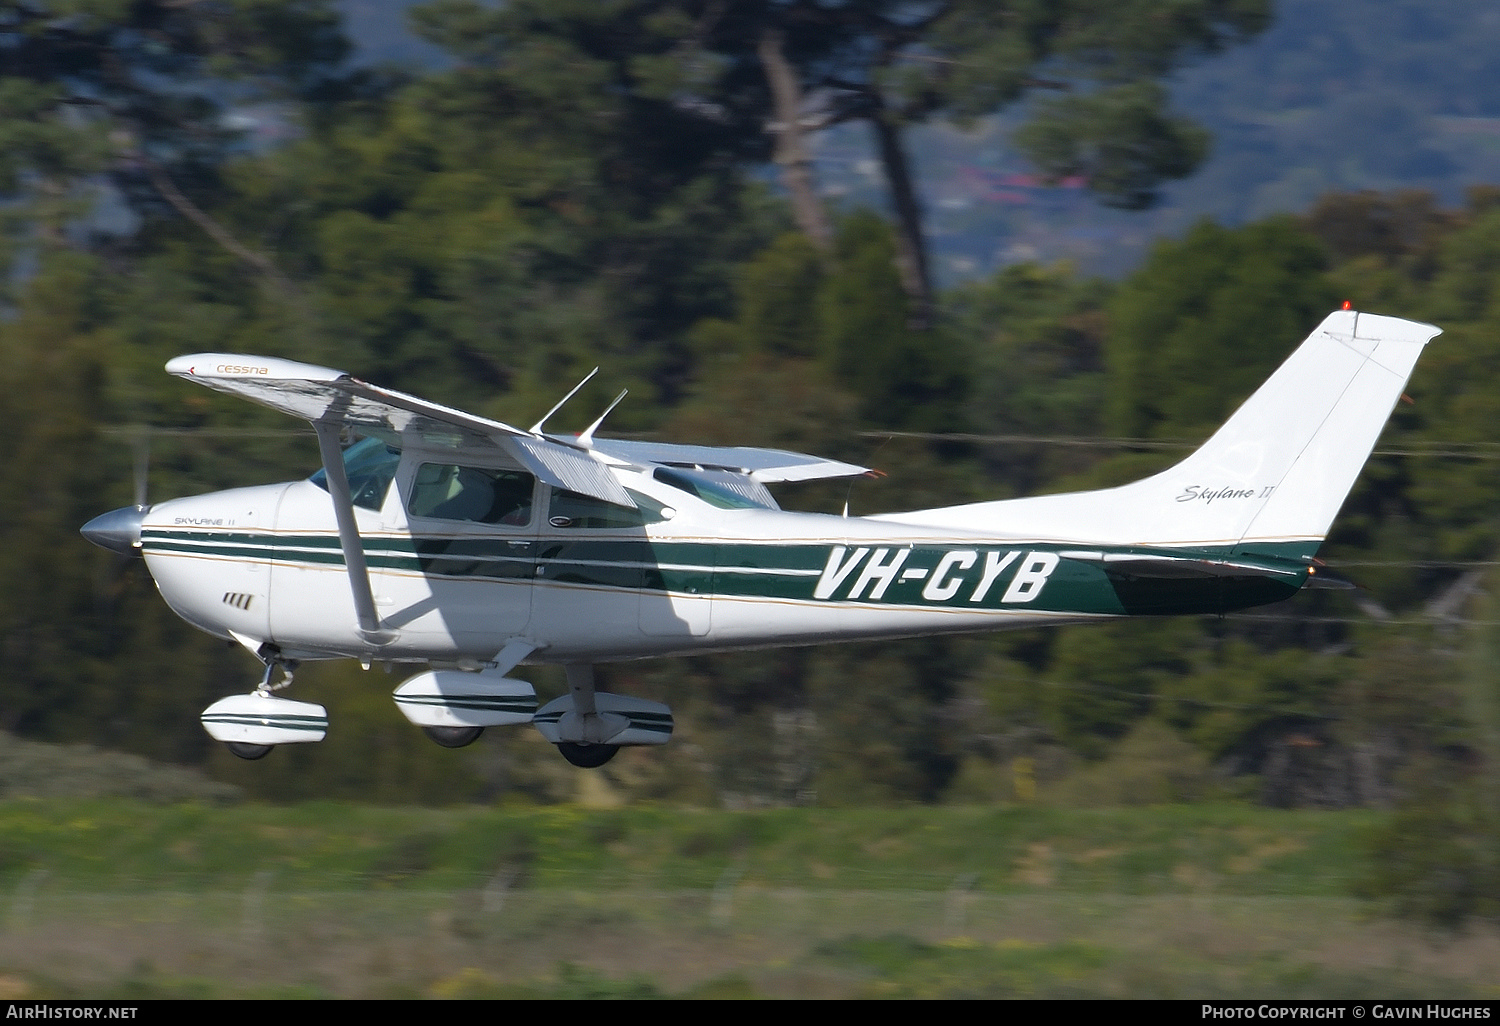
[(573, 470)]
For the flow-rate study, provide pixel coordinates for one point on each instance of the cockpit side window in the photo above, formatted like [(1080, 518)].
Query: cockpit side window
[(482, 495), (370, 465)]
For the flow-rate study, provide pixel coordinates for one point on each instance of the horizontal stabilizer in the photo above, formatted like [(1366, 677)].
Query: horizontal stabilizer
[(769, 466), (1169, 566)]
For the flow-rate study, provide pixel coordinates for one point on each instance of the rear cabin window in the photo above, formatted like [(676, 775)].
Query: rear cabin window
[(481, 495), (570, 509)]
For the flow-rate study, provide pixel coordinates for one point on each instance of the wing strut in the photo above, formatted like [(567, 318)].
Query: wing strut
[(354, 550)]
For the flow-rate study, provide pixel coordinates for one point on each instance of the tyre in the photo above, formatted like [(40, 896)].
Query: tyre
[(453, 737), (587, 756)]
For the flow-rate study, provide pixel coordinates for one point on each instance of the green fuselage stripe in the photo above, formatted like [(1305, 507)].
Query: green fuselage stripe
[(1046, 578)]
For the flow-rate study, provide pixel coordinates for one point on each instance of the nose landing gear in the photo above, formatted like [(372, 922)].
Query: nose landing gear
[(251, 725)]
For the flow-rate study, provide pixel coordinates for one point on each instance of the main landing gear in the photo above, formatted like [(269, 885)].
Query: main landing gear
[(589, 726), (454, 706)]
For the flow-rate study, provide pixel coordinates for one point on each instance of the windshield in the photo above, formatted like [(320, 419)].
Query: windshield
[(370, 465)]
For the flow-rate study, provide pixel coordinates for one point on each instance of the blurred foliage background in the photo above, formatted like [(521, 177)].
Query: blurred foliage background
[(626, 183)]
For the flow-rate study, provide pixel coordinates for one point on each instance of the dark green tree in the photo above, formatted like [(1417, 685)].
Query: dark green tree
[(749, 79), (541, 206), (1204, 322), (1035, 341), (138, 92)]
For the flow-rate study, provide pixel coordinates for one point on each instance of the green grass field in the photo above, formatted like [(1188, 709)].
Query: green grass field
[(116, 898)]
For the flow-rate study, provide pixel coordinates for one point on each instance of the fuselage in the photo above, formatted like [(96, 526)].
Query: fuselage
[(465, 558)]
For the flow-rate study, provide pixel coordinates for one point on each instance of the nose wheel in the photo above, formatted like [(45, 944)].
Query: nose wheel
[(586, 756)]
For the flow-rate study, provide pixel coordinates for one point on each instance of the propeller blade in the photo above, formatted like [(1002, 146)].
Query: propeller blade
[(142, 464)]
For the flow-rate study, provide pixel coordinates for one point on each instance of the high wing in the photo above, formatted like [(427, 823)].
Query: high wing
[(325, 396)]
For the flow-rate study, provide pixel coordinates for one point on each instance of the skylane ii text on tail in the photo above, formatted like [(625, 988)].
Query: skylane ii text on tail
[(473, 547)]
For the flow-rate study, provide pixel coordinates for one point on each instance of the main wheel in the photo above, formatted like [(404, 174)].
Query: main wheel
[(587, 756), (245, 750), (453, 737)]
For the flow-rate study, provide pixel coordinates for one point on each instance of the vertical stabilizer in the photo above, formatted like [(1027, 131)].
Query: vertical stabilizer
[(1271, 479)]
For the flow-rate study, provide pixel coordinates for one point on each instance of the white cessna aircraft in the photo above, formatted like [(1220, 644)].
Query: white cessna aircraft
[(471, 547)]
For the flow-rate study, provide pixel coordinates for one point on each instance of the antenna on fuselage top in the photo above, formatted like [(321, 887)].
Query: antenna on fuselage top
[(536, 429), (586, 439)]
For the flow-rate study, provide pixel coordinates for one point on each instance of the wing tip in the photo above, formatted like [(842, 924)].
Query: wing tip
[(244, 366)]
